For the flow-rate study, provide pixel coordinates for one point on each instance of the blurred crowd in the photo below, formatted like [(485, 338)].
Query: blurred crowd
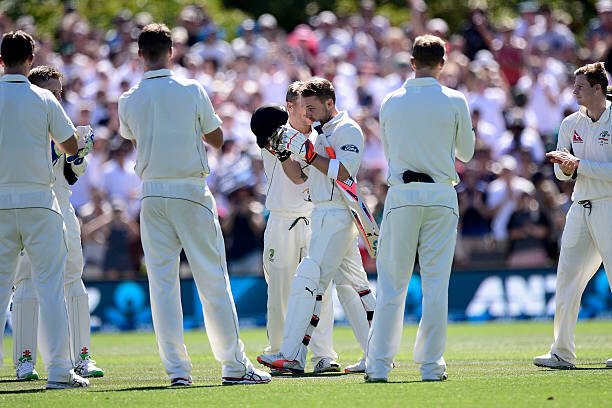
[(517, 75)]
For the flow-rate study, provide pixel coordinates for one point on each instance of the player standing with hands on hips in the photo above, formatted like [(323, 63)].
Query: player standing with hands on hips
[(423, 127), (168, 119), (584, 153), (333, 241), (25, 304), (30, 216)]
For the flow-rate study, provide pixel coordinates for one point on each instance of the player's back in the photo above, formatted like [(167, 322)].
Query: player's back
[(165, 115), (419, 125)]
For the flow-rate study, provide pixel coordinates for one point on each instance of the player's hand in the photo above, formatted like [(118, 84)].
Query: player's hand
[(299, 145), (280, 155), (567, 162), (85, 141)]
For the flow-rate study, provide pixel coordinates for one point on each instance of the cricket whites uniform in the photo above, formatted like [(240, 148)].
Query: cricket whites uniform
[(424, 126), (25, 304), (167, 116), (286, 242), (587, 236), (333, 252), (30, 215)]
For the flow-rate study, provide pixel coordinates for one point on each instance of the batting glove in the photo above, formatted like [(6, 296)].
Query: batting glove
[(299, 145), (86, 140)]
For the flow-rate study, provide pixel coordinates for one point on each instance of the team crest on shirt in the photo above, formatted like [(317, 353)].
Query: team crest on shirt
[(604, 138), (350, 148), (577, 138), (271, 255)]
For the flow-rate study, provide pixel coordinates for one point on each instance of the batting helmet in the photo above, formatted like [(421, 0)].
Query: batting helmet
[(265, 120)]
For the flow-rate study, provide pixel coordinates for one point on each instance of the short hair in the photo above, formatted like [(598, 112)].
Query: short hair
[(595, 74), (16, 48), (319, 87), (428, 51), (293, 92), (43, 73), (154, 41)]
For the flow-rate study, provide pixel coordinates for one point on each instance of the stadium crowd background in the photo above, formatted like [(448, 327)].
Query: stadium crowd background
[(517, 75)]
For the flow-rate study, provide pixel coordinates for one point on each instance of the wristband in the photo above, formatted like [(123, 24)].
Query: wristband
[(332, 170)]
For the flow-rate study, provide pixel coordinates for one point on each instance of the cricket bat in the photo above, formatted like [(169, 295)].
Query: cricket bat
[(365, 223)]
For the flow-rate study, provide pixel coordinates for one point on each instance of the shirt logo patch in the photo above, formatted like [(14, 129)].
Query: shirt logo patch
[(604, 138), (350, 148), (577, 138), (271, 256)]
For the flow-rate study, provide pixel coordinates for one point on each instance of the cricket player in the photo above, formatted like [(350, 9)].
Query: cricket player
[(168, 119), (584, 153), (30, 215), (423, 127), (334, 237), (25, 304), (286, 243)]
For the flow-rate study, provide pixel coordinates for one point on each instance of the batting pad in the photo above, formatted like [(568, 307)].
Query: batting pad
[(25, 321), (302, 301), (77, 303), (355, 313)]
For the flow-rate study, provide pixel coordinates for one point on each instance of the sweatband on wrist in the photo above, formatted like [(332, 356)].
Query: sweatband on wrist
[(332, 170)]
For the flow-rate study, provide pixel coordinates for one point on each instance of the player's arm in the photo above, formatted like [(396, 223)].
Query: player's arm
[(564, 142), (214, 138), (465, 139), (209, 121)]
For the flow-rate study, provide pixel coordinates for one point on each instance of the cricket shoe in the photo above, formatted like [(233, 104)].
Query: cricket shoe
[(86, 367), (253, 376), (551, 360), (327, 365), (279, 362), (25, 369), (609, 363), (436, 377), (181, 382), (359, 367), (369, 379), (75, 381)]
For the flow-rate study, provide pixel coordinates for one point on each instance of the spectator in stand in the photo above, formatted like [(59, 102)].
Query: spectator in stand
[(528, 230)]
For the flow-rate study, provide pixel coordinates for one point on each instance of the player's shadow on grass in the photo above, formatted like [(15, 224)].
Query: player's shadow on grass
[(160, 387), (28, 391), (576, 369), (308, 375)]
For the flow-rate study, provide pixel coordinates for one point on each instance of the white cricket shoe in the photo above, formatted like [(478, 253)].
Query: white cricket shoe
[(551, 360), (609, 363), (327, 365), (75, 381), (25, 370), (181, 382), (358, 367), (86, 367), (369, 379), (253, 376), (279, 362), (435, 377)]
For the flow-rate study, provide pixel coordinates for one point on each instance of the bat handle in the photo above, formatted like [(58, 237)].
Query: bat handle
[(330, 152)]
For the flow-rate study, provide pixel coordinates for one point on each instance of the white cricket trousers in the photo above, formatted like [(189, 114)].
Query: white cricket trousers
[(586, 241), (40, 232), (25, 320), (406, 229), (167, 225), (286, 242)]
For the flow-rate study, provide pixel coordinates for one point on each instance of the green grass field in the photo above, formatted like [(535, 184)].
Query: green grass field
[(489, 365)]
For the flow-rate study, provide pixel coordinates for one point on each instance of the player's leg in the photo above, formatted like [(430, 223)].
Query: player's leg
[(436, 248), (352, 268), (77, 301), (42, 233), (394, 263), (162, 248), (322, 342), (578, 262), (25, 321), (10, 246), (200, 235)]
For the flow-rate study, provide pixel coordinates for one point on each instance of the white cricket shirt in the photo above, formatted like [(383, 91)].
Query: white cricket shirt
[(346, 139), (167, 115), (423, 127), (591, 143), (28, 115), (282, 194)]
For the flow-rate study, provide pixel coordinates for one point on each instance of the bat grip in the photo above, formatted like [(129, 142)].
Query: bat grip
[(330, 152)]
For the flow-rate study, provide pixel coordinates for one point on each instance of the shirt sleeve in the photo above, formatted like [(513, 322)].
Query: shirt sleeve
[(207, 117), (465, 139), (595, 170), (564, 141), (124, 128), (348, 142), (60, 126)]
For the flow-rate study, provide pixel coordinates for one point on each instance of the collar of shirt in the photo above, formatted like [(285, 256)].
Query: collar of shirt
[(605, 116), (426, 81), (14, 78), (164, 72), (335, 120)]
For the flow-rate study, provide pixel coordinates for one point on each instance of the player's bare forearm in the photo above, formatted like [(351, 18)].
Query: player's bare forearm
[(214, 138), (322, 164), (293, 170), (70, 146)]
